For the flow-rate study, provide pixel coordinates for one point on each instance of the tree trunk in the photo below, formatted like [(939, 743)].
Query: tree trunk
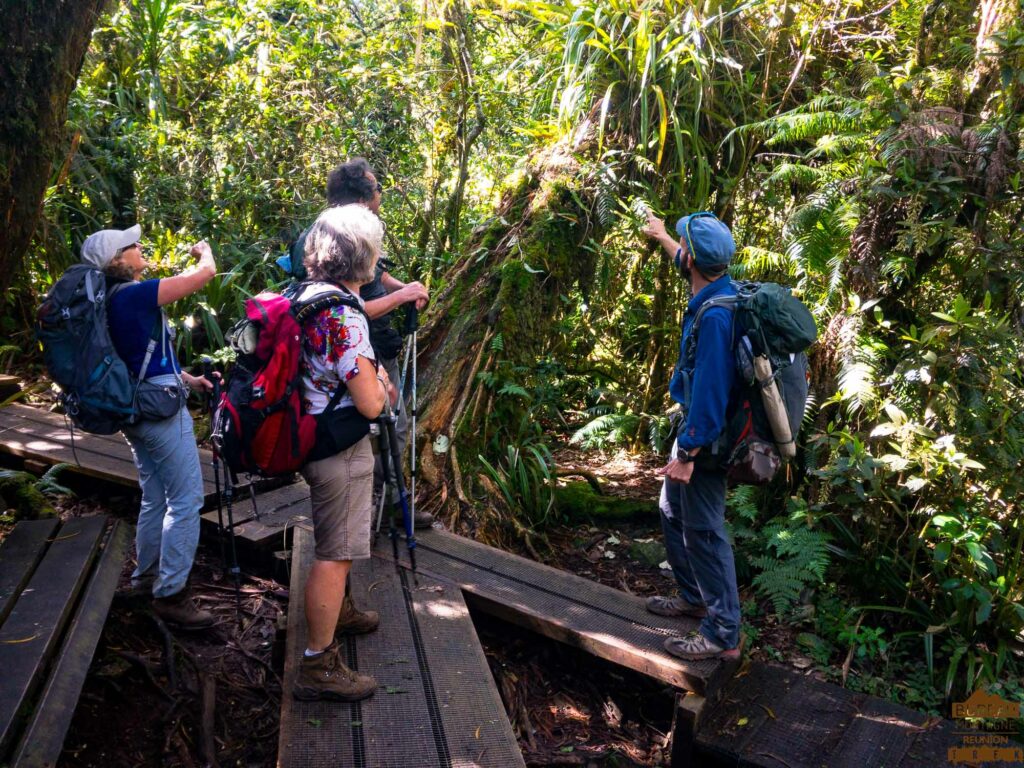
[(501, 303), (42, 47)]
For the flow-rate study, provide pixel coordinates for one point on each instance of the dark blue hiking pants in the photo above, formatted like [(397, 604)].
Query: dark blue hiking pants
[(700, 553)]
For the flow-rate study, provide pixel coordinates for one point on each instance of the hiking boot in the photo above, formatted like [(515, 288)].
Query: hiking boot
[(694, 646), (423, 520), (140, 590), (181, 611), (325, 676), (675, 606), (352, 621)]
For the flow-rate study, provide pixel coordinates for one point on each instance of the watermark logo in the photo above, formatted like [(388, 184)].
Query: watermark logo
[(987, 705), (987, 746)]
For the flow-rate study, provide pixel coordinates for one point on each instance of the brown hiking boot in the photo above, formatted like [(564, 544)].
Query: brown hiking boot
[(352, 621), (325, 676), (181, 611)]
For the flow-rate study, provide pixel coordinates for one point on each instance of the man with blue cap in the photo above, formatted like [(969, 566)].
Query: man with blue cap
[(693, 495)]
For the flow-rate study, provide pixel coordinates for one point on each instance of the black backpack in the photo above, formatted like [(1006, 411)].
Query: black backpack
[(772, 331), (97, 389)]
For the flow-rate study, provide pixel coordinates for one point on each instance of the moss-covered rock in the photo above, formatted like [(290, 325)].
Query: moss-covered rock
[(648, 551), (22, 499), (580, 503)]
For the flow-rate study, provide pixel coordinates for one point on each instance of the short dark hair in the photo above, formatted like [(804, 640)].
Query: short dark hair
[(344, 244), (348, 183)]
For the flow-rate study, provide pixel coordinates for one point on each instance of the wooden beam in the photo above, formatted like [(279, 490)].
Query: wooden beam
[(33, 629), (43, 740), (20, 552)]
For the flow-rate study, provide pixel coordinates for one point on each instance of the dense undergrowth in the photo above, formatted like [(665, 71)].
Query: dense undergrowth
[(866, 153)]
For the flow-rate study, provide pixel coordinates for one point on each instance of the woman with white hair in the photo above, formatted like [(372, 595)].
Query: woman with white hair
[(344, 386)]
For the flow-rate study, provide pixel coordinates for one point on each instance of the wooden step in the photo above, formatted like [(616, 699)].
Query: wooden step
[(560, 605), (771, 716), (43, 740), (436, 704), (20, 552), (33, 629), (279, 511), (603, 621), (37, 435)]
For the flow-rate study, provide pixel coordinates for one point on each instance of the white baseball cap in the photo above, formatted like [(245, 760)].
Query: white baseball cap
[(100, 248)]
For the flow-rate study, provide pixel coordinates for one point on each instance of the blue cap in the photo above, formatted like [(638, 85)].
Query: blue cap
[(708, 240)]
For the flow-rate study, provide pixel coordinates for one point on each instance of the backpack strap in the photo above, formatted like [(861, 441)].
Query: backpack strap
[(307, 310)]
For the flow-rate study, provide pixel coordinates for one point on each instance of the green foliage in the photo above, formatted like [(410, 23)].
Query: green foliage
[(525, 479), (796, 557)]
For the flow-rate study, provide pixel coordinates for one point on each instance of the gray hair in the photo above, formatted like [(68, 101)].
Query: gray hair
[(344, 245)]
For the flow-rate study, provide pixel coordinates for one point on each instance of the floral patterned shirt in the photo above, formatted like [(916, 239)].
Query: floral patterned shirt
[(332, 342)]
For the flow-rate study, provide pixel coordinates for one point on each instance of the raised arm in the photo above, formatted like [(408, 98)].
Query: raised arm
[(178, 287), (655, 229)]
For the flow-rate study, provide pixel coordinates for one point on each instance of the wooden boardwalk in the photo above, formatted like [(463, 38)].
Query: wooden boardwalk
[(35, 434), (279, 511), (562, 606), (56, 586), (773, 717), (436, 705)]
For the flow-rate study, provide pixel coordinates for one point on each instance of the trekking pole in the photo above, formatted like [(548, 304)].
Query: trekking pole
[(236, 572), (400, 497), (228, 493), (213, 400), (412, 325)]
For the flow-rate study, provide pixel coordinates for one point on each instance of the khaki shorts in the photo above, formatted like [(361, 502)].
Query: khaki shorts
[(341, 494)]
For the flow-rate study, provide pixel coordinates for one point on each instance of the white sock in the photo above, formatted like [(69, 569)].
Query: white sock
[(311, 653)]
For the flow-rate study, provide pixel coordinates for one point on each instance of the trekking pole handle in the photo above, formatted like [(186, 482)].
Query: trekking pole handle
[(412, 319), (208, 371)]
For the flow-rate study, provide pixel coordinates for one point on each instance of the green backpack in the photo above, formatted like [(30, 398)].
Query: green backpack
[(772, 330)]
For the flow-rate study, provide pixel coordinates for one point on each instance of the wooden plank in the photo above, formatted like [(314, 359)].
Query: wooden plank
[(20, 552), (570, 609), (52, 427), (295, 643), (32, 631), (436, 704), (600, 620), (279, 511), (34, 434), (42, 743)]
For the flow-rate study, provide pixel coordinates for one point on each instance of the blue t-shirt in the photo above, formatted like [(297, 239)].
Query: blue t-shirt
[(133, 314)]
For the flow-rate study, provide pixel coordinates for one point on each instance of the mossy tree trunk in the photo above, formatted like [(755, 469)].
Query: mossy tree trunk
[(42, 47), (512, 284)]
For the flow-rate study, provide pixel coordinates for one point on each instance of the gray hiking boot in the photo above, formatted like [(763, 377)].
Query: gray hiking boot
[(325, 676), (181, 611), (352, 621), (694, 646), (675, 606)]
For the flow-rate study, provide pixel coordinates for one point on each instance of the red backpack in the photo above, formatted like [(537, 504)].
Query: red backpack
[(260, 424)]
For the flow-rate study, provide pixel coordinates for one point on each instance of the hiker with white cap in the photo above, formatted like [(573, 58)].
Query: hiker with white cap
[(164, 448), (693, 495)]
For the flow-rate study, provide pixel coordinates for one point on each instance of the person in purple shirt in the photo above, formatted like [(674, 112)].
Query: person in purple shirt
[(165, 451), (693, 495)]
